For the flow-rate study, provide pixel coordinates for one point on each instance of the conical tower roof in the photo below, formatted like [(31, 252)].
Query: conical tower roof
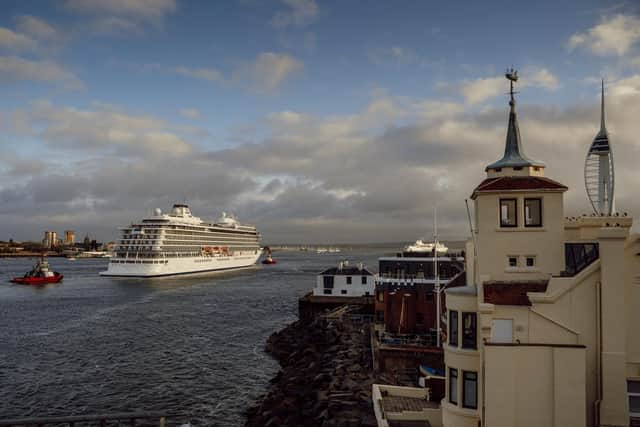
[(513, 152)]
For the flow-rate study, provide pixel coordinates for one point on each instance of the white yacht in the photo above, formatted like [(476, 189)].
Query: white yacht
[(421, 246), (180, 243)]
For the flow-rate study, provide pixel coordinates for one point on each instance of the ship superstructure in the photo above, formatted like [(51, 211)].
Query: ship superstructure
[(180, 243)]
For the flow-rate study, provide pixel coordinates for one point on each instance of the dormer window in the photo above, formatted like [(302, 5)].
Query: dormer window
[(508, 213), (533, 212)]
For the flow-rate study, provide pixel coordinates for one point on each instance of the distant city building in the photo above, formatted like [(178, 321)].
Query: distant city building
[(50, 239), (69, 238), (86, 242)]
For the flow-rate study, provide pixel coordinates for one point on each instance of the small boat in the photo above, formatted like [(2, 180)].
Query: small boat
[(269, 260), (40, 274)]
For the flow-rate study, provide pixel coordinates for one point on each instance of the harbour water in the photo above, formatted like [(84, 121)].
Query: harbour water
[(192, 347)]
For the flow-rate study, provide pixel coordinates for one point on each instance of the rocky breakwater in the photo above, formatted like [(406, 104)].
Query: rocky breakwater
[(325, 379)]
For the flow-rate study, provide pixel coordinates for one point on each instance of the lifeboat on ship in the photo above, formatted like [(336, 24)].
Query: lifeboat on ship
[(40, 274)]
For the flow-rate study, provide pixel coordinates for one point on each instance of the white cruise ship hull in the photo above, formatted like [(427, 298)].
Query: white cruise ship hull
[(119, 267)]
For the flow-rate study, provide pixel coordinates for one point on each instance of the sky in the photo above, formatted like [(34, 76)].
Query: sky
[(318, 121)]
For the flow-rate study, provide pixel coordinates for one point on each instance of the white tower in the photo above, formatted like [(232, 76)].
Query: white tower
[(598, 170)]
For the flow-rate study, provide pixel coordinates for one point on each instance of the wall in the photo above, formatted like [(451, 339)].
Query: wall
[(632, 297), (355, 289), (546, 243), (533, 386)]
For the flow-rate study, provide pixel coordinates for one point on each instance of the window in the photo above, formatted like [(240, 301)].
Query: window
[(363, 280), (348, 280), (533, 212), (380, 316), (508, 212), (530, 261), (469, 389), (469, 330), (380, 296), (343, 292), (328, 291), (328, 282), (502, 330), (517, 168), (512, 261), (453, 328), (453, 386), (498, 169), (420, 318)]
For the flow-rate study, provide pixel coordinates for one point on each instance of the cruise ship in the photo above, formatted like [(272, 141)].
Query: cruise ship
[(180, 243)]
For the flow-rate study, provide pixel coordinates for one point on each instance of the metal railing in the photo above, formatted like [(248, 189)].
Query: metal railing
[(423, 340), (101, 420)]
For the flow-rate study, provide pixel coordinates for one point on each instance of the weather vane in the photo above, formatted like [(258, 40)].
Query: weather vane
[(512, 76)]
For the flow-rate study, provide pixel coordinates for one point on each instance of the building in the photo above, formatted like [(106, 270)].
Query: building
[(405, 291), (405, 338), (69, 238), (50, 239), (345, 280), (544, 332)]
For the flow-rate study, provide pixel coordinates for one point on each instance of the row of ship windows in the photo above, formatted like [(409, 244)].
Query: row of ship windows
[(138, 261), (173, 229), (161, 254), (211, 241)]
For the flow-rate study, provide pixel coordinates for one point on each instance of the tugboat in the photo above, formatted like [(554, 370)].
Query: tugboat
[(268, 259), (39, 274)]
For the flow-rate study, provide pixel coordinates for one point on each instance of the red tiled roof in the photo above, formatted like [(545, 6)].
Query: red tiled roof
[(515, 183), (512, 293)]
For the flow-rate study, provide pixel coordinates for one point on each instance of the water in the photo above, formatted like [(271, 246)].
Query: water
[(188, 346)]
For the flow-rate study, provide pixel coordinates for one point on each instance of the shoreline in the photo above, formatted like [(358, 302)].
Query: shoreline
[(325, 376)]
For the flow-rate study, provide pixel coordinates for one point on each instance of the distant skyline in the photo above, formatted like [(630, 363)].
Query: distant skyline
[(318, 121)]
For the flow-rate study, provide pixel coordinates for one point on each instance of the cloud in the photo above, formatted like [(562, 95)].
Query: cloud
[(393, 55), (209, 74), (267, 72), (614, 35), (298, 13), (144, 9), (39, 29), (191, 113), (373, 175), (106, 130), (482, 89), (15, 41), (13, 68), (118, 17)]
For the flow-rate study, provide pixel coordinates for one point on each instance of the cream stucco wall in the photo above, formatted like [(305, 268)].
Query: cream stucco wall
[(496, 243), (534, 386), (632, 304)]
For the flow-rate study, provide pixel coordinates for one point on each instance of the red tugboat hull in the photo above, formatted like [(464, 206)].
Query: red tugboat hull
[(37, 280), (269, 261)]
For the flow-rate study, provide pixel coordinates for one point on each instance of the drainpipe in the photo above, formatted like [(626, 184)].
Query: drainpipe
[(482, 354), (598, 401)]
